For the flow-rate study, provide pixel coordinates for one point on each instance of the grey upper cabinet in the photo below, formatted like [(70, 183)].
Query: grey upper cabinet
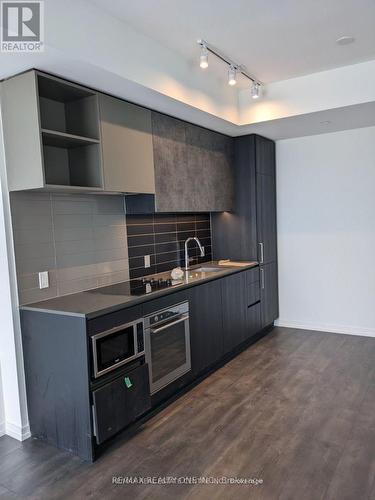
[(58, 124), (128, 161), (193, 167)]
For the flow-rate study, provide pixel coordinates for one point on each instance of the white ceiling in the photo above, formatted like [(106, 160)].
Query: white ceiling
[(275, 39)]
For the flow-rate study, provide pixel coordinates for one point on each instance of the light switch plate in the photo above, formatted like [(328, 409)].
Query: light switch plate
[(43, 280), (147, 261)]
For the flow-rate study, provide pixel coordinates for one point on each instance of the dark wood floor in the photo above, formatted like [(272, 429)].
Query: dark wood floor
[(296, 410)]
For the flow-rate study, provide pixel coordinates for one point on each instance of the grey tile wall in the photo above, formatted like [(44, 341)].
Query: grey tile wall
[(80, 239), (162, 236)]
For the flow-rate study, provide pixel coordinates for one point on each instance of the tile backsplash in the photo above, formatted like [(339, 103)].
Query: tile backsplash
[(79, 239), (87, 241), (162, 237)]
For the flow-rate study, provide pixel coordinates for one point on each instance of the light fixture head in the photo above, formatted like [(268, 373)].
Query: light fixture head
[(203, 60), (345, 40), (255, 90), (232, 75)]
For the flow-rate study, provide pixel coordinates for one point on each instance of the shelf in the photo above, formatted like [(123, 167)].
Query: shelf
[(64, 140), (72, 189)]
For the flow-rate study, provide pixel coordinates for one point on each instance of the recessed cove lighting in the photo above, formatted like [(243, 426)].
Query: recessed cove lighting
[(345, 40)]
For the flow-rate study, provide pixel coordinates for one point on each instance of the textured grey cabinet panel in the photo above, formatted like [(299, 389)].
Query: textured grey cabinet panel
[(174, 183), (127, 146), (193, 167), (210, 161)]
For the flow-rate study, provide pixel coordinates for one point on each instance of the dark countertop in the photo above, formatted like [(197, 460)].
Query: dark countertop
[(103, 300)]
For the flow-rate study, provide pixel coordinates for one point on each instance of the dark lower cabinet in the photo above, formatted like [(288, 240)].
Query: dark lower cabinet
[(269, 294), (206, 325), (71, 409), (234, 310), (254, 321), (121, 402)]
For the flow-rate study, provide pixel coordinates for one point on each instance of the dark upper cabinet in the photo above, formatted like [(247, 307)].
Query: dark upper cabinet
[(266, 218), (234, 310), (234, 233), (269, 294), (265, 155), (206, 325), (193, 169)]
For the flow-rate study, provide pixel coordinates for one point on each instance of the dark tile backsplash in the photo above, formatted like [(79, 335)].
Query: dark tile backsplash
[(162, 236)]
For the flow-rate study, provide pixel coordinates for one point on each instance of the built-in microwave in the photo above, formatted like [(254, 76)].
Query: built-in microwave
[(116, 347)]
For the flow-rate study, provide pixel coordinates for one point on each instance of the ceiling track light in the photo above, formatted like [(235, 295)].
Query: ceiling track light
[(234, 68), (232, 75), (255, 90), (203, 60)]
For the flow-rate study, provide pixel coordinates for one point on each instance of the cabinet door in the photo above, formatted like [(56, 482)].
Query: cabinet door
[(121, 402), (206, 325), (254, 320), (127, 146), (269, 293), (210, 162), (234, 292), (173, 182), (265, 156), (266, 218)]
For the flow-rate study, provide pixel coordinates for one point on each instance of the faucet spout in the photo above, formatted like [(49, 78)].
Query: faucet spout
[(187, 259)]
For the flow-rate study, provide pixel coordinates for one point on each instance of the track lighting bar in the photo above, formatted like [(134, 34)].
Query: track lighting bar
[(238, 68)]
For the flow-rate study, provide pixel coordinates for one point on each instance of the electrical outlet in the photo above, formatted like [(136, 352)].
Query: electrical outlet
[(43, 280), (147, 261)]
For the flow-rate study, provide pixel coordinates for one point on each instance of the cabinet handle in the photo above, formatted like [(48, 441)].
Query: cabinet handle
[(261, 253), (262, 278), (171, 323)]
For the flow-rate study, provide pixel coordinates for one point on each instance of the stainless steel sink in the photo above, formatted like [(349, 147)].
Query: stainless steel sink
[(206, 269)]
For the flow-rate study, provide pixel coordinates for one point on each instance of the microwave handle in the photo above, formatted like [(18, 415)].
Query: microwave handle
[(172, 323)]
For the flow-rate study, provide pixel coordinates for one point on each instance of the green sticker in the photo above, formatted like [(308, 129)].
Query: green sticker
[(128, 382)]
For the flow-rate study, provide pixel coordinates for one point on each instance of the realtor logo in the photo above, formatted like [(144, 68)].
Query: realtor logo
[(22, 26)]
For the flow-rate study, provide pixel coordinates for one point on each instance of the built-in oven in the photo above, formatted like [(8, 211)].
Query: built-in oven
[(167, 345), (116, 347)]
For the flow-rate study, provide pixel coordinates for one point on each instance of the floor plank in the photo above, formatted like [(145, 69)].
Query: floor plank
[(296, 410)]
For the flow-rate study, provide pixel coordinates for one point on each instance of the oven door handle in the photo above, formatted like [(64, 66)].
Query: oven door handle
[(172, 323)]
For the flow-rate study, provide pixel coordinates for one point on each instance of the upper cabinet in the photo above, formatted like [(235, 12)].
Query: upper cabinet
[(51, 134), (193, 167), (174, 183), (74, 138), (128, 161)]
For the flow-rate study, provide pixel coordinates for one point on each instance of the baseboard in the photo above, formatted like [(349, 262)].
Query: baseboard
[(329, 328), (17, 432), (2, 428)]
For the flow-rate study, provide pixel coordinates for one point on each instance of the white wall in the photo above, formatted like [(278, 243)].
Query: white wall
[(2, 413), (326, 231), (11, 359)]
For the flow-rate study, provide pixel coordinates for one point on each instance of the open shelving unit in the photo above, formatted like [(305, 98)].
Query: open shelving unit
[(69, 133)]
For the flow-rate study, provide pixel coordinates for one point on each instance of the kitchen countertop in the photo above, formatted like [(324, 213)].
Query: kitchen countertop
[(107, 299)]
